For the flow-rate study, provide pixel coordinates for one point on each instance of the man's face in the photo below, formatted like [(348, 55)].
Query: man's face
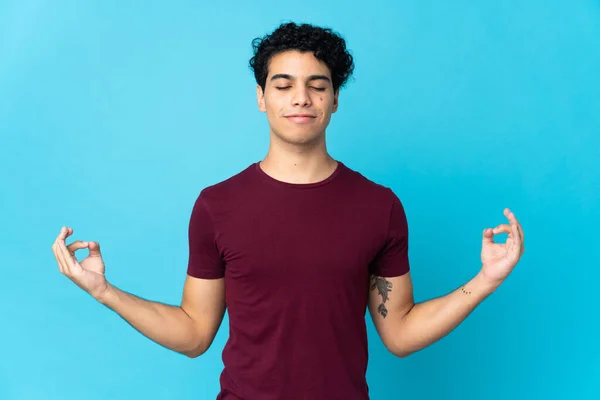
[(298, 97)]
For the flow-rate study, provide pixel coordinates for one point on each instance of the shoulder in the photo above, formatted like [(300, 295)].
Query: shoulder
[(227, 189), (371, 189), (376, 200)]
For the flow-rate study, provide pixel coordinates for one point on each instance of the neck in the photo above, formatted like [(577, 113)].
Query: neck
[(306, 163)]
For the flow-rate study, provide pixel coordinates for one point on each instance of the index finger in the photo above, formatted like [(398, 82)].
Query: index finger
[(514, 224), (513, 220), (64, 233)]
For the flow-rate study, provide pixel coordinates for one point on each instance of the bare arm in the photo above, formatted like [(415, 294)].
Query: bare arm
[(408, 327), (188, 329)]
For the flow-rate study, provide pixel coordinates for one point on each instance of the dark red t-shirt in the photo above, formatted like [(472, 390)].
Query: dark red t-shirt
[(296, 259)]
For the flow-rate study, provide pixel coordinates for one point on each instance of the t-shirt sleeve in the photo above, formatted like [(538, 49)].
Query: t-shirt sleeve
[(204, 260), (392, 260)]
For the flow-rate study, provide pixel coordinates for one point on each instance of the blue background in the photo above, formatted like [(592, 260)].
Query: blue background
[(114, 115)]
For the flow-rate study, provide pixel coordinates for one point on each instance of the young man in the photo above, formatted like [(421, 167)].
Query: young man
[(296, 247)]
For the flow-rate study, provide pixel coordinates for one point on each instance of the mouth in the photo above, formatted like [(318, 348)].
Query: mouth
[(301, 118)]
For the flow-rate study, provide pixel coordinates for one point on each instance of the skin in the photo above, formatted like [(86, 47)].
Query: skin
[(406, 327), (298, 154)]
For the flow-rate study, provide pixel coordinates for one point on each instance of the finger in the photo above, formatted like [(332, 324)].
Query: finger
[(61, 259), (69, 259), (58, 261), (63, 263), (94, 249), (77, 245), (502, 228), (514, 227), (61, 235), (522, 238), (488, 235), (521, 232), (64, 233)]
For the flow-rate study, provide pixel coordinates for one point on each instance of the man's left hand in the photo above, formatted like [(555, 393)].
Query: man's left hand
[(499, 259)]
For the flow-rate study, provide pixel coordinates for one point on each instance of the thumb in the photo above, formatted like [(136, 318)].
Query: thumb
[(77, 245), (488, 236), (94, 249)]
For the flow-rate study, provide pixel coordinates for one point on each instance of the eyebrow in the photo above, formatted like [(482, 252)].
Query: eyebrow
[(292, 78)]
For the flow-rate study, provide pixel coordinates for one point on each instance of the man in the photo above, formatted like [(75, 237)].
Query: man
[(296, 247)]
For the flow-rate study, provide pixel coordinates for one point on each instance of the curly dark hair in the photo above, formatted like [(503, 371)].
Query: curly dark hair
[(327, 46)]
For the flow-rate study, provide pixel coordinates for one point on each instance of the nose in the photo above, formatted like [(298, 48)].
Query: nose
[(301, 97)]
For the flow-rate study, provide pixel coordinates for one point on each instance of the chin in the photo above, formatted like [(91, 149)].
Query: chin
[(300, 138)]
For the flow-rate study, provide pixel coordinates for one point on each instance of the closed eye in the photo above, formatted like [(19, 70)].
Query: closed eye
[(287, 87)]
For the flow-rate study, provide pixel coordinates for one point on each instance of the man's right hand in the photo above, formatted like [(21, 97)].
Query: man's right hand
[(87, 274), (188, 329)]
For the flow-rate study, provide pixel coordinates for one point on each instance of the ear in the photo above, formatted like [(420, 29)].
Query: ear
[(260, 98), (335, 100)]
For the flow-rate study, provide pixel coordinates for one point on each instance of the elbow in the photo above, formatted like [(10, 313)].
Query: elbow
[(398, 351), (193, 353), (401, 350), (195, 350), (402, 353)]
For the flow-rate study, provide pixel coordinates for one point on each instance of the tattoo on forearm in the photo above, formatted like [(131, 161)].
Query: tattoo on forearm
[(383, 286), (462, 288)]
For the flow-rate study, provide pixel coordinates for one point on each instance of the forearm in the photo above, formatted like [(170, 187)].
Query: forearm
[(429, 321), (169, 326)]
